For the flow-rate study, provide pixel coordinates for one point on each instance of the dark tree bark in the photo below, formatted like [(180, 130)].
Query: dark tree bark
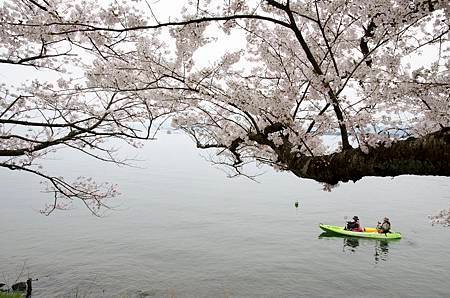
[(29, 288), (428, 155)]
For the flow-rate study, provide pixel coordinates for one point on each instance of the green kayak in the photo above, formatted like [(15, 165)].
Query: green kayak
[(372, 234)]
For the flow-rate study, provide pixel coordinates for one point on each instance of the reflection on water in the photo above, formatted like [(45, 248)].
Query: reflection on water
[(351, 244), (381, 250)]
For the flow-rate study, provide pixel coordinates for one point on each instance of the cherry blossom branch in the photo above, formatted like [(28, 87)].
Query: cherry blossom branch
[(85, 190)]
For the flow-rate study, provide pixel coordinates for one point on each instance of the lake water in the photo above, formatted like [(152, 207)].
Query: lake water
[(182, 229)]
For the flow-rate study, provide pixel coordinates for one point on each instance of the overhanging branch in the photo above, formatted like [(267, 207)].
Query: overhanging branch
[(428, 155)]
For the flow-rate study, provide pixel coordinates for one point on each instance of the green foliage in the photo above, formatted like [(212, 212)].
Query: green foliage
[(11, 295)]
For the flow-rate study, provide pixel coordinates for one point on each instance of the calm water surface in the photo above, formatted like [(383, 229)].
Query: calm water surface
[(182, 229)]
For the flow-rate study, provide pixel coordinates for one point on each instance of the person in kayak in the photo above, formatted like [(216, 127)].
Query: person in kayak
[(354, 225), (384, 227)]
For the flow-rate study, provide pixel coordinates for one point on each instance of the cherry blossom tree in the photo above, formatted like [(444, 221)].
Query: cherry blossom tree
[(375, 74), (57, 106)]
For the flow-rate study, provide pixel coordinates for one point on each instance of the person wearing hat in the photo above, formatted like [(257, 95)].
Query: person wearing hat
[(354, 225), (384, 227)]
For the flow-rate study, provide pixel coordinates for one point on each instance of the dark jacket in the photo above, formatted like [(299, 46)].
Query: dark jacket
[(353, 225)]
